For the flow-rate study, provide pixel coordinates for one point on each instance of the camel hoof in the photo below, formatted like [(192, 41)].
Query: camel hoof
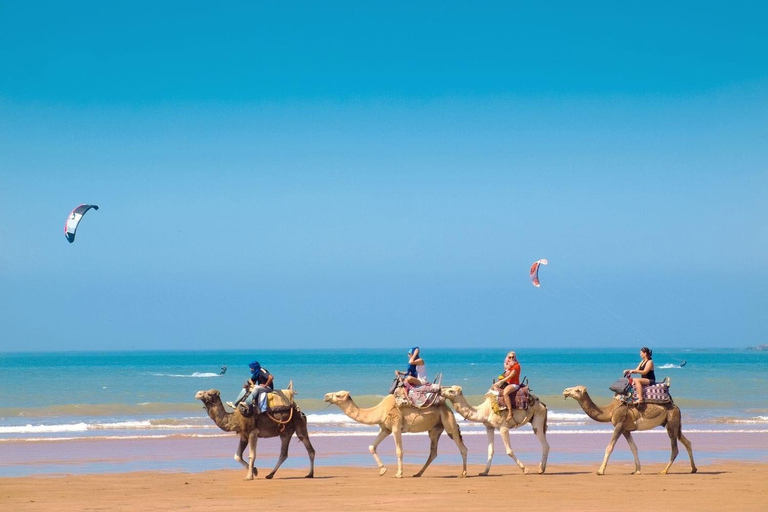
[(382, 471), (525, 471), (638, 472), (417, 475), (399, 475), (694, 470), (248, 478), (540, 471), (311, 475), (269, 476), (600, 473), (483, 474), (463, 474)]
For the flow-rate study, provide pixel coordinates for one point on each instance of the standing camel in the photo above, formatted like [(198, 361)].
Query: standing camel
[(536, 415), (395, 420), (626, 419), (260, 425)]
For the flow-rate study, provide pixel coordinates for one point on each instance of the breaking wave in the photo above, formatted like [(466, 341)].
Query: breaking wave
[(196, 374)]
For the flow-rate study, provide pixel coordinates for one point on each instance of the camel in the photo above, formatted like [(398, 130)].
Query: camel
[(626, 419), (261, 425), (536, 415), (395, 420)]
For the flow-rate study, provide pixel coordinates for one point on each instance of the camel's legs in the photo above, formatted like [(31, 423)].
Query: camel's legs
[(253, 437), (672, 432), (240, 449), (688, 447), (454, 432), (383, 433), (434, 438), (303, 434), (504, 431), (618, 429), (285, 441), (539, 424), (633, 447), (398, 450), (489, 432)]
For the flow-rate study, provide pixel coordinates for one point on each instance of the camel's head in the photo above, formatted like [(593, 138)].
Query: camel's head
[(576, 392), (337, 397), (450, 392), (209, 396)]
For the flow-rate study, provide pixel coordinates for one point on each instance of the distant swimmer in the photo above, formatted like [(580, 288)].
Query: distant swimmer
[(223, 370), (683, 363)]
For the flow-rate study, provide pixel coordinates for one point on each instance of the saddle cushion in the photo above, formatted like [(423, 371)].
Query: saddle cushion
[(419, 396), (520, 399), (658, 393)]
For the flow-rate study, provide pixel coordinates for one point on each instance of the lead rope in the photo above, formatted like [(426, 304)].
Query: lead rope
[(282, 423)]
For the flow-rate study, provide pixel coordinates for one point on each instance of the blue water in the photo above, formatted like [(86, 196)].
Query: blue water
[(134, 394)]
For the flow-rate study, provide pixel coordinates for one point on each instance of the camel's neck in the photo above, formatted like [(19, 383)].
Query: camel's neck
[(222, 418), (597, 413), (470, 413), (370, 416)]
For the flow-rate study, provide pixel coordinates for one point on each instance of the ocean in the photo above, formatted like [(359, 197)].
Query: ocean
[(111, 396)]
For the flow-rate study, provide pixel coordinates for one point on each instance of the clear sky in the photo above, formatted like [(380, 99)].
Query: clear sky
[(379, 174)]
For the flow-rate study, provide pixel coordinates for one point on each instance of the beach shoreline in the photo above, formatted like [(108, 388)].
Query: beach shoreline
[(726, 485)]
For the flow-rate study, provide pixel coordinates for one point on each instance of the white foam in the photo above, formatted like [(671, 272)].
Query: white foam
[(330, 419), (566, 417), (84, 427), (196, 374), (41, 429), (668, 366)]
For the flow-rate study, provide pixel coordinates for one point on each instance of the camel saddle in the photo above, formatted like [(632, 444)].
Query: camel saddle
[(521, 399), (655, 394), (418, 396), (277, 401)]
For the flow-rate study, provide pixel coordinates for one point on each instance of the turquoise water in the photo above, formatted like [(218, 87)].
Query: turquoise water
[(151, 394)]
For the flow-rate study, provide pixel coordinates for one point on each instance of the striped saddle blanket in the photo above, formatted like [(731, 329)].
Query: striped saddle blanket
[(656, 394)]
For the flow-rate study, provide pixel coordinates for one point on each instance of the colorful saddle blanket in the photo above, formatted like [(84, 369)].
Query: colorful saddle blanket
[(521, 399), (418, 396), (656, 394)]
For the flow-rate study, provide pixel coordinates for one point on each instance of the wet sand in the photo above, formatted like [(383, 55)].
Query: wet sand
[(721, 486)]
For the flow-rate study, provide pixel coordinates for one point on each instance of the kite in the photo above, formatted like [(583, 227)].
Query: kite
[(535, 272), (70, 228)]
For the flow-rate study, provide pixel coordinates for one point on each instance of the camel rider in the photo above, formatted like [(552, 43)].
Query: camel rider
[(416, 374), (509, 381), (261, 381)]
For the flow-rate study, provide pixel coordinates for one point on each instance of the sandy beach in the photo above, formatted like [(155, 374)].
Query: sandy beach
[(722, 486)]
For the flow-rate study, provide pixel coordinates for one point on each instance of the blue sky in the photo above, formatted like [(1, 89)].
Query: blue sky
[(383, 174)]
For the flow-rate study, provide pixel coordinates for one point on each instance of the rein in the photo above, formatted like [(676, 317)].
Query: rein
[(282, 423)]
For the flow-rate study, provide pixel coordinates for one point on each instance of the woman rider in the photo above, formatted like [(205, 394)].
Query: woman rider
[(645, 370), (509, 381)]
